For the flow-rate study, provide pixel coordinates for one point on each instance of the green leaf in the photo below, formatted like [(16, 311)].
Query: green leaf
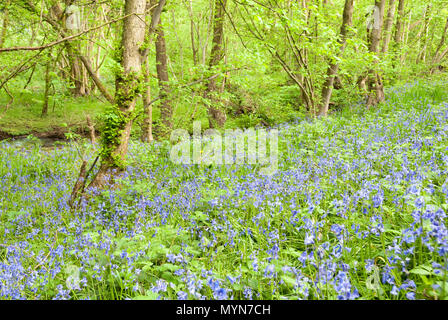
[(148, 296), (290, 281), (424, 270)]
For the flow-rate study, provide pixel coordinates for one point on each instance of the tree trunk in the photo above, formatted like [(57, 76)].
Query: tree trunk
[(421, 57), (5, 24), (334, 66), (194, 49), (388, 26), (47, 86), (162, 75), (147, 135), (72, 48), (91, 127), (216, 115), (375, 83), (147, 109), (119, 121), (437, 58), (399, 26), (76, 73)]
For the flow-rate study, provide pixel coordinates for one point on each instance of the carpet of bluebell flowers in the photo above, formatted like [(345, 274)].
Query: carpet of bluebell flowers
[(357, 210)]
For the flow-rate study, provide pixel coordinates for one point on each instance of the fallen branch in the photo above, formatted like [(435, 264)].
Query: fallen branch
[(79, 184)]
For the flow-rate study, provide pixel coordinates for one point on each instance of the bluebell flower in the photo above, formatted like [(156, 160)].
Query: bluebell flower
[(419, 202), (410, 295), (181, 295), (309, 238)]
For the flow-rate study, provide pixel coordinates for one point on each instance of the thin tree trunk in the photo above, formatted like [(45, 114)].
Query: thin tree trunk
[(216, 116), (204, 47), (436, 59), (421, 57), (147, 135), (91, 127), (375, 82), (388, 26), (163, 78), (194, 49), (147, 108), (47, 86), (334, 67), (72, 49), (5, 24), (399, 25)]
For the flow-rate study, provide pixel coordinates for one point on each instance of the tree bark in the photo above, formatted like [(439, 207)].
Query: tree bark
[(334, 66), (216, 116)]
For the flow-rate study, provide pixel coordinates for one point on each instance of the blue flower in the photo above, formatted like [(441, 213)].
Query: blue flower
[(181, 295), (220, 294), (309, 238), (419, 202), (410, 295)]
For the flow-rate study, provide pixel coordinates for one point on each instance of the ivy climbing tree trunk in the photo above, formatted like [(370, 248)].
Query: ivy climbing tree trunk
[(334, 66), (217, 117), (119, 120)]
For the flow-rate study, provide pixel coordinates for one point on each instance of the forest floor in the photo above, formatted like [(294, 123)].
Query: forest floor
[(357, 210)]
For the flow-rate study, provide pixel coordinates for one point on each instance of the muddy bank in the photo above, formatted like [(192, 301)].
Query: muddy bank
[(48, 138), (54, 134)]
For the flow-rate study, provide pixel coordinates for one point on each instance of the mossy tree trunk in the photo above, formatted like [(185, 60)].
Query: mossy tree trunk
[(119, 119)]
